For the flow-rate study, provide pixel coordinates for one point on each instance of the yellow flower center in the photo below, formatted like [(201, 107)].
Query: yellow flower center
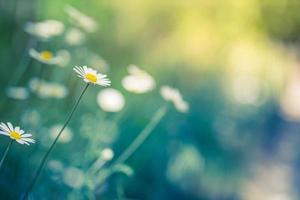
[(15, 135), (91, 77), (46, 55)]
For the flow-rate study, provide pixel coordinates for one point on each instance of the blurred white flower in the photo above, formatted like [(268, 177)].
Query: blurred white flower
[(47, 57), (73, 177), (109, 128), (90, 75), (31, 118), (110, 100), (269, 181), (65, 137), (64, 57), (107, 154), (138, 81), (74, 36), (185, 168), (173, 95), (79, 19), (45, 29), (47, 90), (55, 166), (289, 100), (98, 62), (15, 133), (19, 93), (246, 89)]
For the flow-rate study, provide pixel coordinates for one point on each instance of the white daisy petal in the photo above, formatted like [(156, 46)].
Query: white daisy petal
[(10, 126), (4, 127), (26, 135), (17, 129), (20, 141), (24, 142), (3, 133), (76, 69), (28, 140)]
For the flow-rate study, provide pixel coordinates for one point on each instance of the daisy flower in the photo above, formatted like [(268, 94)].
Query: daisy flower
[(90, 75), (65, 137), (19, 93), (45, 29), (46, 89), (46, 57), (138, 81), (173, 95), (110, 100), (81, 20), (98, 62), (107, 154), (74, 36), (15, 133)]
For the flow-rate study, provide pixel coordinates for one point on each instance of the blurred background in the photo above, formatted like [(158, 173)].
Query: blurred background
[(236, 63)]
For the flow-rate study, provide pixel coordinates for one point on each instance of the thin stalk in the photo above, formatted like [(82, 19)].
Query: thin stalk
[(23, 65), (98, 164), (44, 160), (139, 140), (5, 153), (19, 71)]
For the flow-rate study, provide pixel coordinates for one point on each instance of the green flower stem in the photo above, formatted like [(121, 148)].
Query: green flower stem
[(23, 65), (44, 160), (19, 71), (139, 140), (5, 153), (98, 164)]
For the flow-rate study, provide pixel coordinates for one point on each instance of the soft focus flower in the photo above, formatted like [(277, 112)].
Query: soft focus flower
[(98, 62), (90, 75), (107, 154), (47, 57), (109, 128), (73, 177), (55, 165), (45, 29), (20, 93), (48, 90), (65, 137), (31, 117), (64, 57), (15, 133), (246, 89), (138, 81), (173, 95), (269, 180), (185, 168), (289, 99), (110, 100), (74, 36), (81, 20)]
